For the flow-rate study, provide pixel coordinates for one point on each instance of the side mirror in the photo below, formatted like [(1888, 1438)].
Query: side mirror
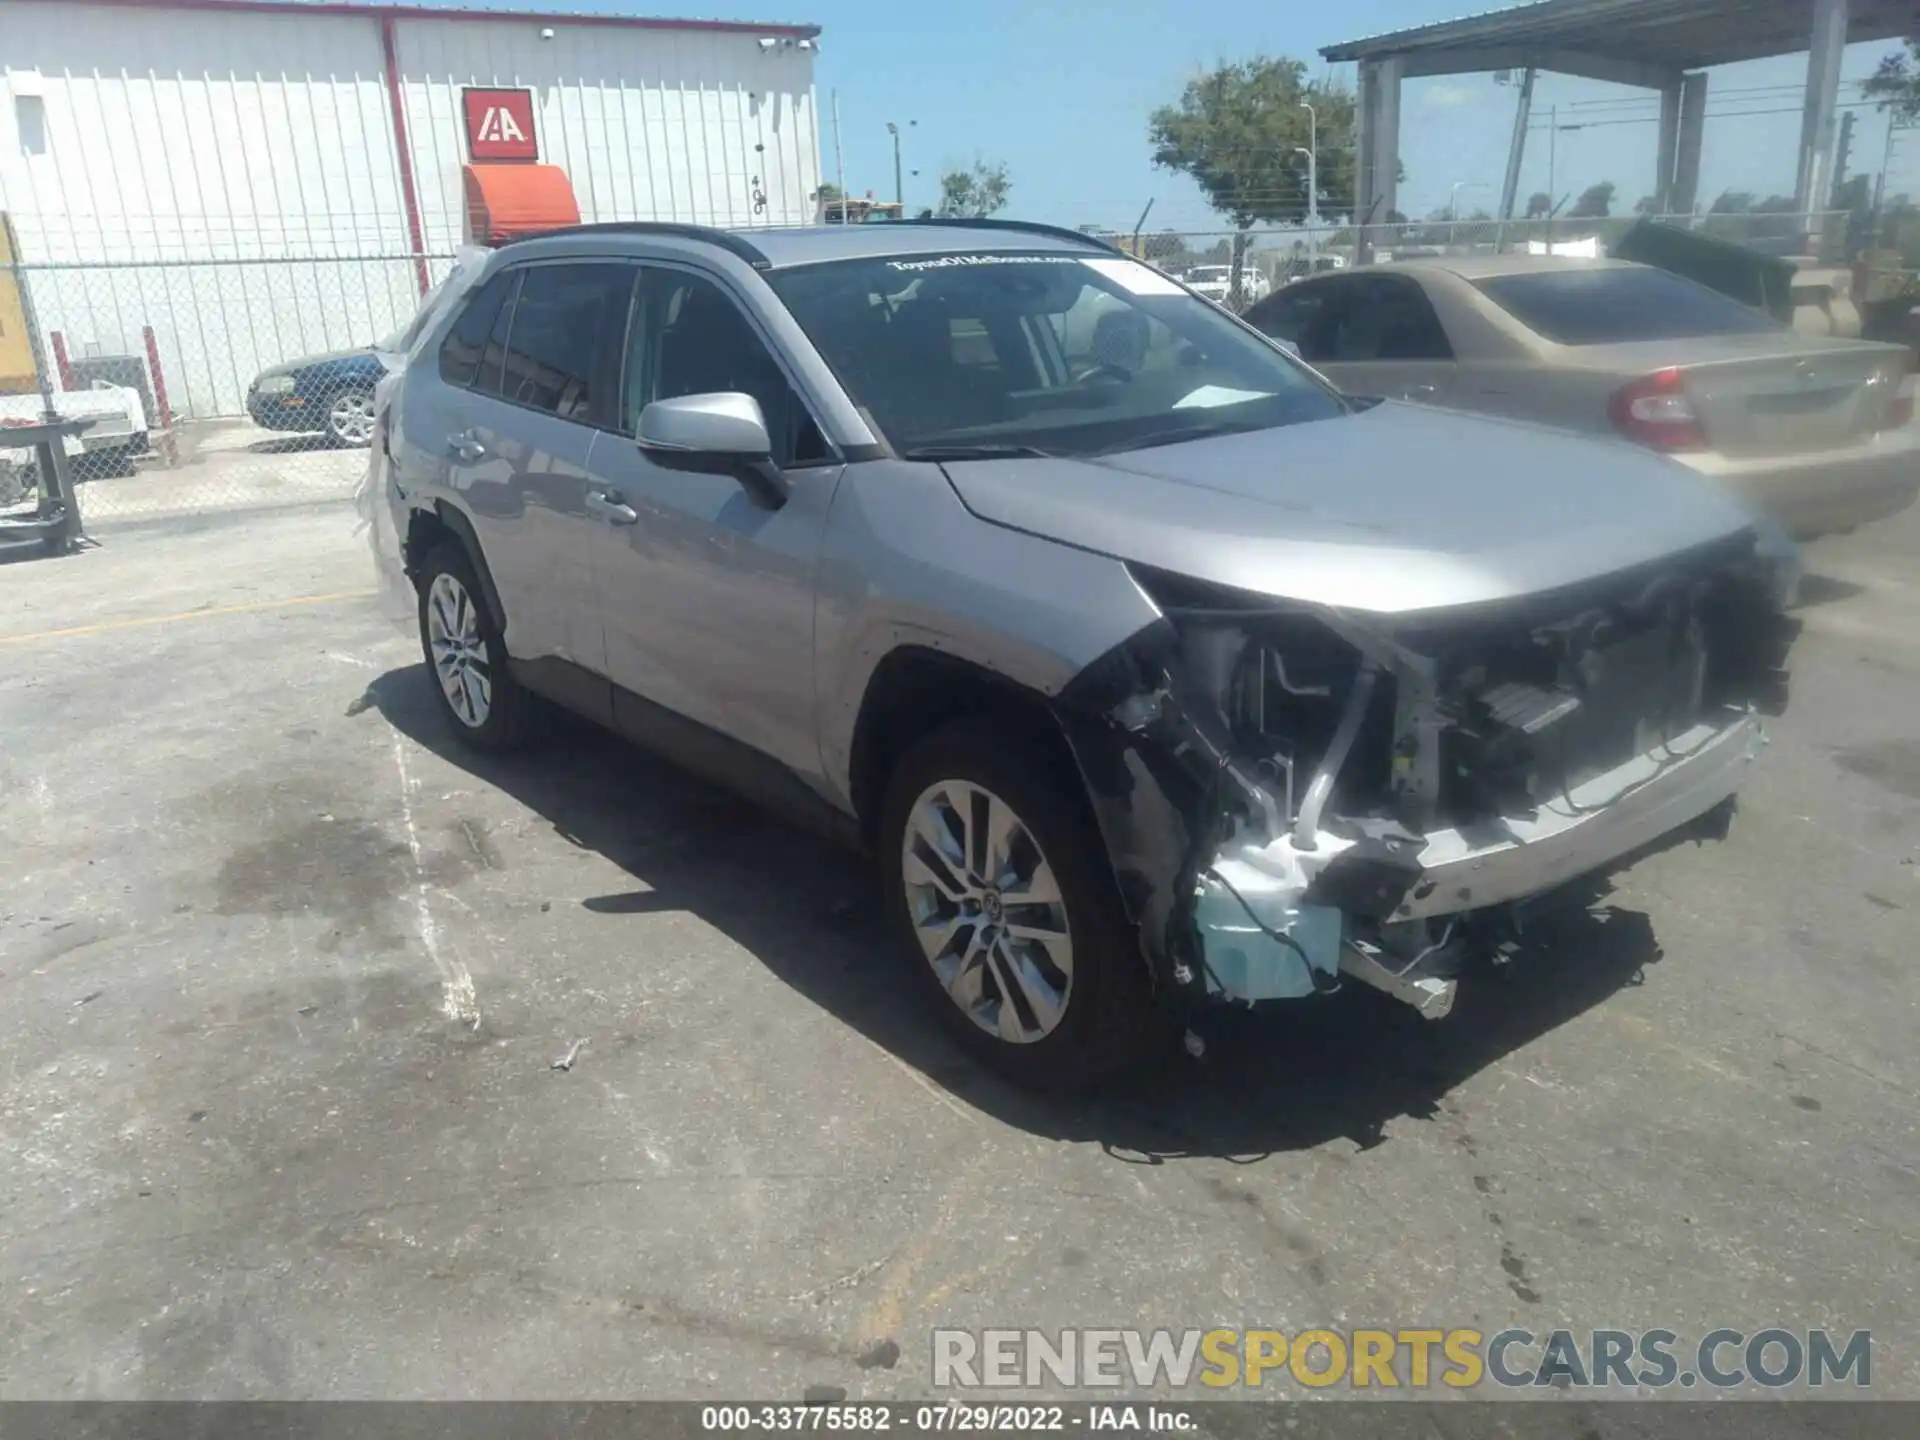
[(1289, 346), (723, 433)]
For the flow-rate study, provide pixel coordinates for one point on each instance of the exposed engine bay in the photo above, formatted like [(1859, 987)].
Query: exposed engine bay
[(1291, 794)]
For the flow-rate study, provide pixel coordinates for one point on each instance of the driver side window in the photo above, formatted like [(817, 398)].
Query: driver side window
[(688, 337)]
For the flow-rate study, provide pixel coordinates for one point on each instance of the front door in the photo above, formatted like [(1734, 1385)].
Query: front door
[(706, 597)]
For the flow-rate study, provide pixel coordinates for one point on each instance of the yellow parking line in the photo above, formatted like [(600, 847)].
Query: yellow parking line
[(253, 607)]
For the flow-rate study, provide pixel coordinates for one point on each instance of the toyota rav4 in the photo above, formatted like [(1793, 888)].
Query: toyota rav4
[(1154, 672)]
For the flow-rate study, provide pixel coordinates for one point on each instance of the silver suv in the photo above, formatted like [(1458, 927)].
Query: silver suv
[(1155, 673)]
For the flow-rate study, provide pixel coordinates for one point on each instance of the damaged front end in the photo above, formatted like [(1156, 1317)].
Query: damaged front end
[(1290, 794)]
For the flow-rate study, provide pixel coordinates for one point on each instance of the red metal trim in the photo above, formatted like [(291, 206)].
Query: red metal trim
[(403, 152), (168, 449), (454, 12), (60, 361)]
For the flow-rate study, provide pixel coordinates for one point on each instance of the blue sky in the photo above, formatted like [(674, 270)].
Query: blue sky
[(1061, 91)]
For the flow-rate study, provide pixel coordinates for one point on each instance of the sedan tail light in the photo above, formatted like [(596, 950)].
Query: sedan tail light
[(1656, 411)]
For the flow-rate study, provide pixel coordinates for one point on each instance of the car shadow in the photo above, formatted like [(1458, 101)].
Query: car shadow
[(292, 444), (1281, 1078)]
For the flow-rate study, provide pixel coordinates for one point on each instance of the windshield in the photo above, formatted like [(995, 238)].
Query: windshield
[(1062, 354), (1603, 307)]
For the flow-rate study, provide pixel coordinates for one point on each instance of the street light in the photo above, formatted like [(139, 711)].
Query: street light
[(1453, 203), (899, 186), (1312, 152)]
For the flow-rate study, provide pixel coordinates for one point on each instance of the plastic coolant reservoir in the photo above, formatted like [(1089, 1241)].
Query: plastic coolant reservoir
[(1244, 961)]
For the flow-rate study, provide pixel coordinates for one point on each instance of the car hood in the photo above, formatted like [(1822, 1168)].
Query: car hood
[(1395, 509), (363, 353)]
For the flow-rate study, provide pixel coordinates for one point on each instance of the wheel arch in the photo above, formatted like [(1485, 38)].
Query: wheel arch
[(427, 528), (915, 690)]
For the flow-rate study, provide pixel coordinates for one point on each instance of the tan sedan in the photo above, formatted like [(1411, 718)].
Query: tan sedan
[(1814, 430)]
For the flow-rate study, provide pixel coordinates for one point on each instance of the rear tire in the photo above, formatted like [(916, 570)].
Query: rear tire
[(467, 656), (1018, 941)]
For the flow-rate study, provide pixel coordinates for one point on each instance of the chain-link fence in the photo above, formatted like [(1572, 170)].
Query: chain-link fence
[(1272, 257), (242, 380), (210, 384)]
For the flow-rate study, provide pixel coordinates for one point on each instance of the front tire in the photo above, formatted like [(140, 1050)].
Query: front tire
[(1002, 902), (467, 656), (350, 419)]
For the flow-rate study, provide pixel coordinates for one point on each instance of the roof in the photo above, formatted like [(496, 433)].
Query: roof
[(530, 14), (779, 247), (810, 244), (1481, 267), (1647, 39)]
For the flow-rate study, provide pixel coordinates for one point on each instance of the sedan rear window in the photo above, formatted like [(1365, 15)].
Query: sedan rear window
[(1607, 307)]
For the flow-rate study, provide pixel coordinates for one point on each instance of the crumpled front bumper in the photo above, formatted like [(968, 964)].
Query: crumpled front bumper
[(1610, 816)]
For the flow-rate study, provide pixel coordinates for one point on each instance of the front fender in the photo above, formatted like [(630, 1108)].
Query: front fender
[(904, 563)]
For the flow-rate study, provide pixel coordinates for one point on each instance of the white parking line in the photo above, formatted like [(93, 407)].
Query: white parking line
[(458, 999)]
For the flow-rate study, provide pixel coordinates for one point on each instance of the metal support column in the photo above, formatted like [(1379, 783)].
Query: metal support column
[(1824, 51), (1669, 149), (1693, 129), (1379, 152)]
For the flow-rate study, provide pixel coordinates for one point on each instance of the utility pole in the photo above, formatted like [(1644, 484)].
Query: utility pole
[(839, 160), (1553, 146), (899, 185), (1842, 154), (1313, 188), (1516, 152), (1886, 163)]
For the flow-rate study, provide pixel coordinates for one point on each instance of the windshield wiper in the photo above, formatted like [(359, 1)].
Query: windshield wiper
[(990, 451)]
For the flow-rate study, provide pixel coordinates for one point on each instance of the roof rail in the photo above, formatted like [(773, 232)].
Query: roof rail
[(729, 240), (1031, 227)]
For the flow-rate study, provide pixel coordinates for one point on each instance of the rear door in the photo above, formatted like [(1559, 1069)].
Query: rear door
[(1385, 339), (533, 398), (707, 597)]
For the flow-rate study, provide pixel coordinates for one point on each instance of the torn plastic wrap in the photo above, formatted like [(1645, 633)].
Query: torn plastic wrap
[(375, 499)]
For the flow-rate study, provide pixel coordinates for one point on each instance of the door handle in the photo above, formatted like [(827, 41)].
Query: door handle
[(608, 507), (466, 446)]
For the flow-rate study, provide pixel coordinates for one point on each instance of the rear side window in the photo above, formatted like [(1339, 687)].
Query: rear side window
[(1289, 314), (562, 353), (465, 347), (1606, 307)]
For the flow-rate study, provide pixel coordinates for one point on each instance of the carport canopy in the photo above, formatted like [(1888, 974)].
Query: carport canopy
[(1662, 45)]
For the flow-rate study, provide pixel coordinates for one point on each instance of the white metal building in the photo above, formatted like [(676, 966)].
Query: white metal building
[(252, 180)]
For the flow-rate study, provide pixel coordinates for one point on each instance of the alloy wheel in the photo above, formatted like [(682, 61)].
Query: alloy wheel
[(987, 910), (351, 420), (460, 660)]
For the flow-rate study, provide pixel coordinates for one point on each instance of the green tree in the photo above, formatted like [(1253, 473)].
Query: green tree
[(974, 192), (1595, 202), (1238, 133), (1896, 84), (1539, 205)]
